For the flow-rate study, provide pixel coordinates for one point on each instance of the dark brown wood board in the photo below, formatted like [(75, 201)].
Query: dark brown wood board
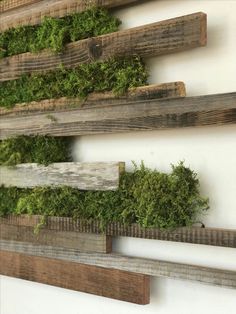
[(195, 235), (110, 283), (155, 91), (84, 242), (169, 36), (144, 115)]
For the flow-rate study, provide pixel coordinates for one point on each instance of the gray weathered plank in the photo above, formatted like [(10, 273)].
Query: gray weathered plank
[(84, 176), (84, 242), (144, 115), (155, 91), (155, 39), (212, 276), (196, 235)]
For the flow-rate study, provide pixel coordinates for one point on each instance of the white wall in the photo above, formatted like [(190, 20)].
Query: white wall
[(211, 151)]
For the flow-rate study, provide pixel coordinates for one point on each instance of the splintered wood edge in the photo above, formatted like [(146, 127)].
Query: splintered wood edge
[(150, 267), (155, 91)]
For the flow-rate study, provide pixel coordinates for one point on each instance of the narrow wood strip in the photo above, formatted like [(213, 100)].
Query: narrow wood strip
[(84, 242), (160, 91), (144, 115), (33, 13), (212, 276), (155, 39), (110, 283), (84, 176), (195, 235)]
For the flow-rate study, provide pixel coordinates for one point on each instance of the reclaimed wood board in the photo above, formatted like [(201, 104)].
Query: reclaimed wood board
[(31, 12), (169, 36), (144, 115), (84, 176), (194, 235), (84, 242), (156, 91), (110, 283), (150, 267)]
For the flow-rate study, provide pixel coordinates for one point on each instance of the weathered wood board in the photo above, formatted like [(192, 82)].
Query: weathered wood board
[(26, 12), (144, 115), (104, 282), (206, 275), (84, 242), (157, 91), (169, 36), (84, 176), (195, 235)]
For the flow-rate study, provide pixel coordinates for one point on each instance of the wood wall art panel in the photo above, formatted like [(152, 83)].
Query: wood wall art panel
[(84, 176), (144, 115), (207, 275), (157, 91), (195, 235), (84, 242), (111, 283), (26, 12), (169, 36)]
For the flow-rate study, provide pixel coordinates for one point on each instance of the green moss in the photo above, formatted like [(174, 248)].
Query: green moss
[(54, 33), (116, 74), (147, 197), (38, 149)]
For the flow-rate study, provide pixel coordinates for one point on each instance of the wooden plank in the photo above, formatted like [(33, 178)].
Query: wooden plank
[(104, 282), (156, 91), (206, 275), (84, 176), (144, 115), (84, 242), (194, 235), (36, 10), (155, 39)]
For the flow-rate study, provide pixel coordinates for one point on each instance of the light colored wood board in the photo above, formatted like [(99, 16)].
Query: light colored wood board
[(150, 40), (84, 242), (115, 284), (84, 176), (160, 91), (144, 115), (195, 235), (206, 275), (33, 13)]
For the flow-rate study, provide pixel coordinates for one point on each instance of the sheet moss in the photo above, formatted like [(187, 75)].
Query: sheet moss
[(34, 149), (54, 33), (115, 74), (147, 197)]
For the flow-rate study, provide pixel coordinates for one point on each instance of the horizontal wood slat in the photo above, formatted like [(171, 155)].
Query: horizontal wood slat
[(104, 282), (28, 12), (212, 276), (84, 176), (84, 242), (197, 235), (160, 91), (155, 39), (144, 115)]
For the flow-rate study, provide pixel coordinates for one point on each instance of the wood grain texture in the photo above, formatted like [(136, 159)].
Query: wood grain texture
[(212, 276), (150, 40), (144, 115), (31, 12), (84, 242), (160, 91), (195, 235), (104, 282), (84, 176)]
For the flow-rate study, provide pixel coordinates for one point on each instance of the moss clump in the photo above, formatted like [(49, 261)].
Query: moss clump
[(38, 149), (54, 33), (116, 74), (149, 198)]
